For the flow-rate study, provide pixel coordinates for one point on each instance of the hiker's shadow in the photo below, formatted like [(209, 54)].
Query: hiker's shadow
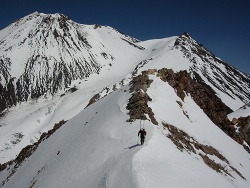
[(133, 146)]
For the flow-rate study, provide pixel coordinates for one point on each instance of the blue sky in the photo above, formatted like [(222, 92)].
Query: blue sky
[(222, 26)]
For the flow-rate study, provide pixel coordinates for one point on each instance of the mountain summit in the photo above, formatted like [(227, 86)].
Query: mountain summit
[(42, 54), (73, 98)]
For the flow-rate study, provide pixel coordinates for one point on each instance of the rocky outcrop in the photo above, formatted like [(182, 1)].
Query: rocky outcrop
[(242, 125), (95, 98), (137, 105), (204, 97), (184, 142)]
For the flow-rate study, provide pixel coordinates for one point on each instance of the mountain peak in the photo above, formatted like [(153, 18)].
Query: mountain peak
[(186, 35), (36, 13), (213, 71), (36, 16), (44, 53), (56, 16)]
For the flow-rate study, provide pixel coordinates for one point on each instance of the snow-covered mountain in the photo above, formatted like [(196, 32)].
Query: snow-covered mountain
[(102, 85), (42, 54)]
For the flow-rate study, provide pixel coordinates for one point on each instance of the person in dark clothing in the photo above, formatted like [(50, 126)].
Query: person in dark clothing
[(142, 134)]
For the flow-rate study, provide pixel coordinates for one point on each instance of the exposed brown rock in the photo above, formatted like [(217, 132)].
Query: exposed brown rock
[(185, 142), (234, 169), (181, 139), (215, 166), (95, 98), (211, 151), (151, 71), (234, 121), (244, 129), (137, 104)]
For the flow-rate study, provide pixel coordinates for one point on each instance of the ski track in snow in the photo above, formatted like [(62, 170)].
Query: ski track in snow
[(143, 172)]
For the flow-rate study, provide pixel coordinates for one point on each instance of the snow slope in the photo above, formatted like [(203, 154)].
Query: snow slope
[(99, 148), (244, 111), (95, 147)]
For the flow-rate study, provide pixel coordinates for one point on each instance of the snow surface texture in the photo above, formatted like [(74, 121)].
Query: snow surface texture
[(244, 111), (97, 147)]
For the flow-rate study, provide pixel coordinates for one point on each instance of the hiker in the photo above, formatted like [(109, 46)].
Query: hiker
[(142, 134)]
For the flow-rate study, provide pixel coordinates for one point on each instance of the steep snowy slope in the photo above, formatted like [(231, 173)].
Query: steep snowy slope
[(244, 111), (99, 148), (41, 54)]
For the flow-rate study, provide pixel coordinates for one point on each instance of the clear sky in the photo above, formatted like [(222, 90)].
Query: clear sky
[(222, 26)]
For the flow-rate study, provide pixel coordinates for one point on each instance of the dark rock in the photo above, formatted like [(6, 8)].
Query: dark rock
[(95, 98), (244, 129), (137, 104)]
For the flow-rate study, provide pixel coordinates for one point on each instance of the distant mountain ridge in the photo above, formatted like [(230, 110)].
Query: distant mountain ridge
[(42, 54)]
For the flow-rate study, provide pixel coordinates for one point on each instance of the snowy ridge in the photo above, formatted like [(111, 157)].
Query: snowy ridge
[(184, 53), (207, 68), (98, 148)]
